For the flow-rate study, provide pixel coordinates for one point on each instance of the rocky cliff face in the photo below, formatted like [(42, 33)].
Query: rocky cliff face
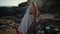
[(50, 26), (49, 6)]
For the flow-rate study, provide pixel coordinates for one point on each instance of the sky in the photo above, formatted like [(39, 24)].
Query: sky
[(11, 2)]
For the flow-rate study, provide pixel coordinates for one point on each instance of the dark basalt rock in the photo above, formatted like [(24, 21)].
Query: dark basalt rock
[(49, 6), (49, 27)]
